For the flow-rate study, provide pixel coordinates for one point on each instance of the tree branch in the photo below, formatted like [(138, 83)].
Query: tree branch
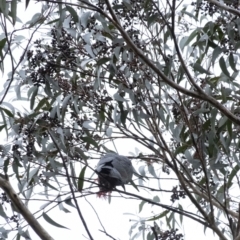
[(224, 7), (199, 95), (155, 68), (70, 186), (28, 216)]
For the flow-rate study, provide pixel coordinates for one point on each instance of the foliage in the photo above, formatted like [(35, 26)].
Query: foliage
[(163, 75)]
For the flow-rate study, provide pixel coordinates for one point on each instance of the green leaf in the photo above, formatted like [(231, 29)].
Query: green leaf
[(222, 121), (225, 93), (5, 166), (101, 61), (232, 175), (51, 186), (2, 212), (27, 2), (232, 62), (159, 216), (156, 199), (102, 115), (15, 166), (152, 170), (79, 151), (134, 185), (190, 38), (229, 127), (141, 205), (81, 179), (181, 149), (14, 11), (152, 19), (90, 141), (2, 127), (4, 121), (18, 237), (73, 174), (41, 104), (7, 112), (150, 236), (199, 68), (180, 74), (180, 215), (218, 166), (33, 173), (62, 208), (136, 117), (2, 43), (213, 119), (214, 80), (68, 201), (123, 117), (33, 98), (49, 220), (223, 66), (73, 13), (24, 234), (216, 52)]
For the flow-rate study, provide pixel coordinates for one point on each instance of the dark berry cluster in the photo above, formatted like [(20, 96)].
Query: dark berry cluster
[(4, 198), (171, 235), (176, 113), (177, 194), (223, 21), (14, 218)]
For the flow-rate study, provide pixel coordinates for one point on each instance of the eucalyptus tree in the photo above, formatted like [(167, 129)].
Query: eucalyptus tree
[(95, 74)]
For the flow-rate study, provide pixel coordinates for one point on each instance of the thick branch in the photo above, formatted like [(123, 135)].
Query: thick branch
[(152, 65), (203, 96), (28, 216), (225, 7)]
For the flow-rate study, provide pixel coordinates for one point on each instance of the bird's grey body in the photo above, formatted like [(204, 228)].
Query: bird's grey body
[(113, 170)]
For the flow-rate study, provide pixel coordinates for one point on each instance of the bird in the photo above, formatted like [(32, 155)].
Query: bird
[(113, 170)]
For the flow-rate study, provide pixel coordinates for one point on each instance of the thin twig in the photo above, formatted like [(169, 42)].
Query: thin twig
[(70, 186)]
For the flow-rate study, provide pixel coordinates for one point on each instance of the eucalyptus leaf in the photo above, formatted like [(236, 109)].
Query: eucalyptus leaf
[(51, 221)]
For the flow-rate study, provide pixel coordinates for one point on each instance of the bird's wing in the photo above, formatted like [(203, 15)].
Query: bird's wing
[(106, 162), (102, 163), (107, 158), (120, 167), (124, 166)]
